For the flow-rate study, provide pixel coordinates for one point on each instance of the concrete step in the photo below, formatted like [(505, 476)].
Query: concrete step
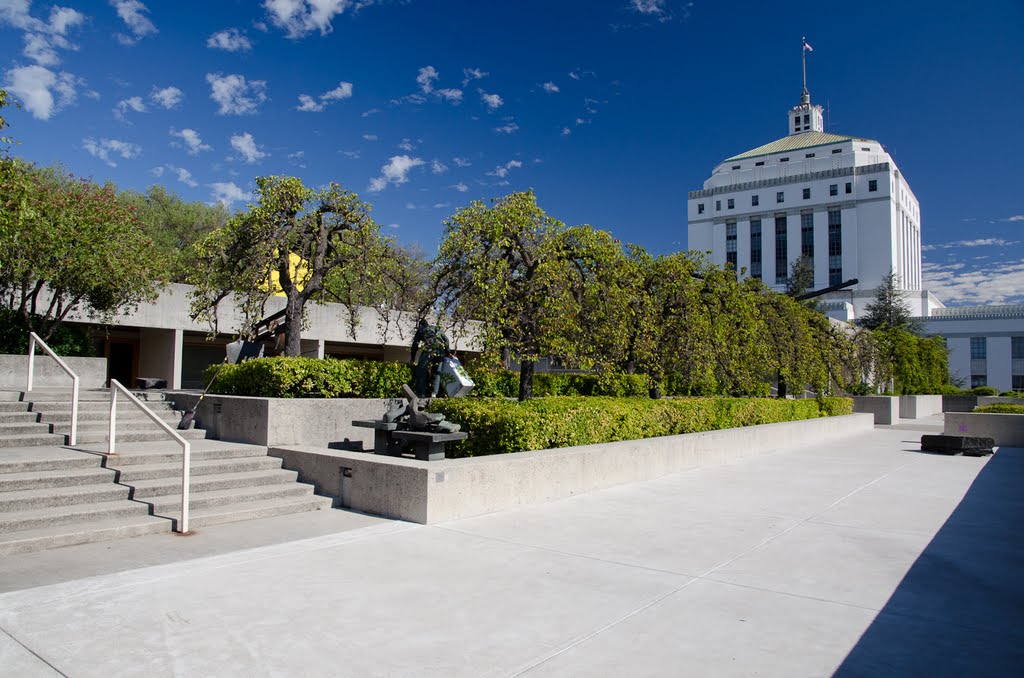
[(150, 452), (133, 415), (89, 436), (18, 417), (64, 515), (139, 472), (97, 406), (65, 477), (84, 395), (70, 534), (169, 505), (200, 485), (33, 459), (18, 428), (27, 500), (216, 515), (27, 439), (10, 406)]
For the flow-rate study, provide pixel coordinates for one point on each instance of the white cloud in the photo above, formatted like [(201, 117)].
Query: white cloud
[(461, 187), (311, 105), (157, 171), (507, 128), (649, 6), (235, 95), (299, 18), (471, 74), (501, 171), (42, 38), (978, 242), (352, 155), (246, 146), (1016, 217), (185, 177), (372, 111), (228, 193), (370, 137), (229, 40), (452, 96), (566, 131), (133, 13), (193, 143), (549, 87), (493, 101), (426, 77), (167, 97), (42, 92), (104, 148), (405, 145), (994, 283), (129, 104), (396, 172), (461, 162), (438, 167)]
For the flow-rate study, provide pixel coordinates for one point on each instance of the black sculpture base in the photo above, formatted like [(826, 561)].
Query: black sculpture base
[(966, 445)]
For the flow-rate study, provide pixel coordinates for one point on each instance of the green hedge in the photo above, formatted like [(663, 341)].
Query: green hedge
[(492, 383), (1000, 408), (282, 377), (497, 426)]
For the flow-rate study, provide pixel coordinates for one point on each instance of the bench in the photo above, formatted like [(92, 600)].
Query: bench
[(427, 446)]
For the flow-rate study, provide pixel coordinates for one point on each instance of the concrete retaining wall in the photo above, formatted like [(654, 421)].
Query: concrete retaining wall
[(1006, 429), (886, 409), (323, 422), (920, 406), (968, 403), (432, 492), (92, 372)]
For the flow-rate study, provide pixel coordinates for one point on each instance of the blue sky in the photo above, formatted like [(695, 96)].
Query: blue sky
[(611, 110)]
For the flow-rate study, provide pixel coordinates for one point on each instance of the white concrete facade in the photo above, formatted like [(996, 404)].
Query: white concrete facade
[(997, 335), (841, 200)]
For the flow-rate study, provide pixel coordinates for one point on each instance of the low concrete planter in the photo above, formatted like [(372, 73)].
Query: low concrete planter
[(886, 409), (92, 372), (968, 403), (920, 406), (324, 422), (1006, 429), (432, 492)]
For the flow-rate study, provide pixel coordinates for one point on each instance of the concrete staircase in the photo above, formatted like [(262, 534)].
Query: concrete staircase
[(52, 495)]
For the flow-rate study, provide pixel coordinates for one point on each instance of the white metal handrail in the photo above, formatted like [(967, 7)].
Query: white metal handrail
[(34, 339), (186, 448)]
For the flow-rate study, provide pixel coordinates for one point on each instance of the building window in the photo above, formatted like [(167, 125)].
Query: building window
[(730, 245), (754, 201), (979, 348), (718, 205), (865, 148), (833, 189), (849, 187), (781, 250), (700, 208), (736, 166), (1017, 348), (809, 155), (759, 164), (872, 185), (783, 159), (978, 380), (807, 236), (807, 194), (837, 150), (835, 247), (755, 248), (1017, 382), (731, 203), (807, 118), (780, 197)]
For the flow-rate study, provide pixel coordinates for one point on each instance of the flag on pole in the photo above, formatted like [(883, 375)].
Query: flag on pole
[(808, 47)]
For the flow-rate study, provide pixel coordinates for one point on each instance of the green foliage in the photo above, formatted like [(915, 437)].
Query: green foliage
[(69, 243), (1012, 394), (917, 365), (889, 310), (66, 340), (948, 389), (982, 391), (297, 377), (318, 245), (1001, 408), (505, 384), (498, 426)]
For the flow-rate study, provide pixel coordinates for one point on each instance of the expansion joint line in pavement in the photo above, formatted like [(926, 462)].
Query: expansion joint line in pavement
[(707, 574), (33, 653)]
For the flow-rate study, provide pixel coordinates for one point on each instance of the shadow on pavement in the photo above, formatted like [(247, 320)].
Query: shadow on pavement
[(958, 610)]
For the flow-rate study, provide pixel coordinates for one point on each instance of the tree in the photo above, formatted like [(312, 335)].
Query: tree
[(888, 309), (175, 225), (69, 243), (801, 281), (505, 266), (305, 242)]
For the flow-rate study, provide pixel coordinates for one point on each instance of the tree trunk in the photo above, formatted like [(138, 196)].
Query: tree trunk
[(293, 326), (525, 380)]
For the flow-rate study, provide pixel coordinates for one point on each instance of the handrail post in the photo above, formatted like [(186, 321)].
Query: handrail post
[(186, 448), (34, 339)]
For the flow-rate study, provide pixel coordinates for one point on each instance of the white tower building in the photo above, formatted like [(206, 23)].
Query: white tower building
[(840, 200)]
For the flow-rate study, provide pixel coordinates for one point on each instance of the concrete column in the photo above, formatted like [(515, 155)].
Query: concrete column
[(718, 248), (175, 380), (820, 249), (312, 348), (960, 359), (999, 364), (743, 247)]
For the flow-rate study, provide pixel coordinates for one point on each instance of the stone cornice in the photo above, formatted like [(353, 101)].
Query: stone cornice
[(799, 178)]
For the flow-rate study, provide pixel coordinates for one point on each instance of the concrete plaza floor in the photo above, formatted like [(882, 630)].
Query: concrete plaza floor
[(862, 558)]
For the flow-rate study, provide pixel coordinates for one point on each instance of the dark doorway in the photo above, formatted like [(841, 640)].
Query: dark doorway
[(122, 361)]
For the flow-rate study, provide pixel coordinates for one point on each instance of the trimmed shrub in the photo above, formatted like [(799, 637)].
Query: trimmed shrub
[(491, 383), (1000, 408), (284, 377), (498, 426), (982, 391)]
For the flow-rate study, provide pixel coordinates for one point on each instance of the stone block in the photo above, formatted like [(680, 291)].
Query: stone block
[(966, 445)]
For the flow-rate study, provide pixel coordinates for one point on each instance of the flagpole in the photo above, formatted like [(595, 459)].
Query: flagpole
[(803, 57)]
